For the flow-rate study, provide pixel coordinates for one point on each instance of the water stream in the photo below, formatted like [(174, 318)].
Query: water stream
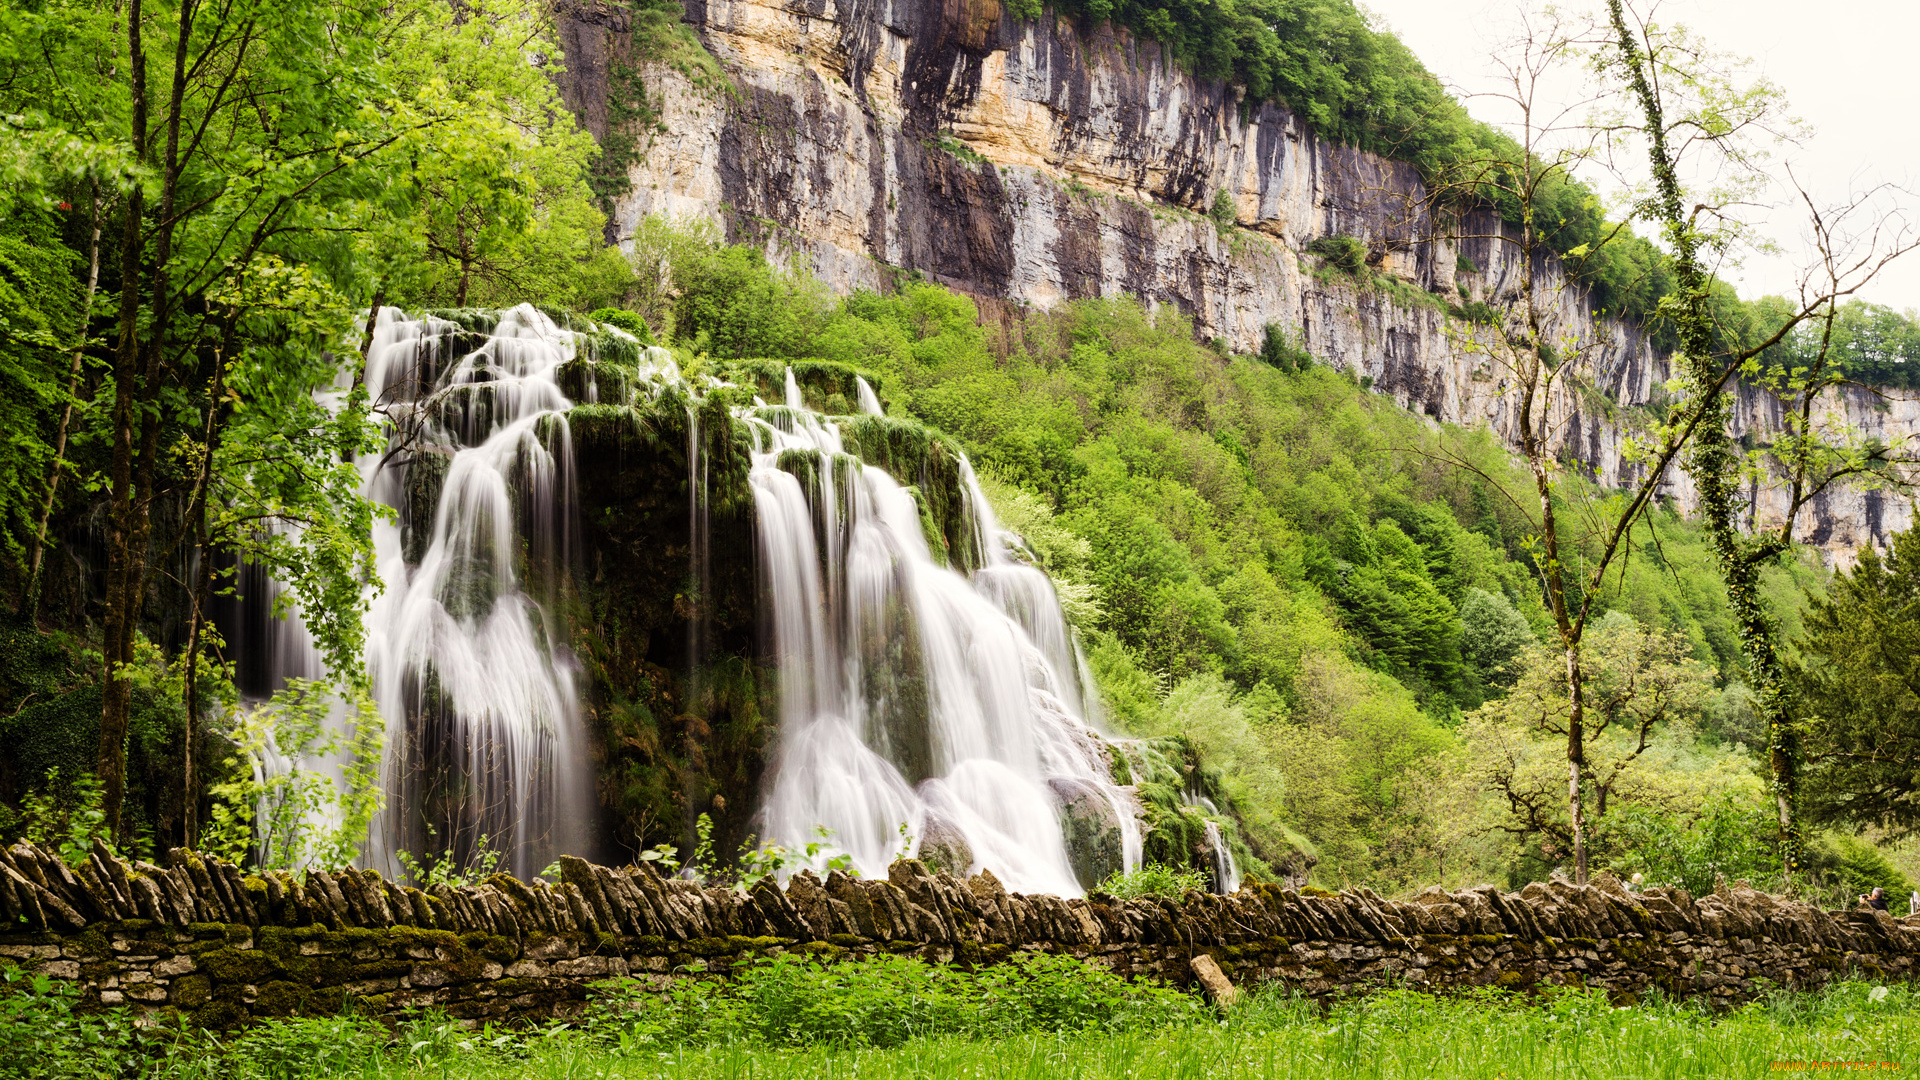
[(923, 711), (486, 747), (930, 701)]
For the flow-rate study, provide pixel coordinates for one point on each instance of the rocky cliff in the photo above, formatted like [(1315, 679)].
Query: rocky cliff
[(1029, 162)]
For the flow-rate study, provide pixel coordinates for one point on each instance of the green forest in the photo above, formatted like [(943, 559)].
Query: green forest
[(1378, 640), (1338, 604)]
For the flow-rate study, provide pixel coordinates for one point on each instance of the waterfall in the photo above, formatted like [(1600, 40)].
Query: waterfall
[(931, 702), (922, 710), (1226, 873), (486, 745)]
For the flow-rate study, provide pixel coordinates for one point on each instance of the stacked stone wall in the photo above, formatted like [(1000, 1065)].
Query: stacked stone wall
[(219, 947)]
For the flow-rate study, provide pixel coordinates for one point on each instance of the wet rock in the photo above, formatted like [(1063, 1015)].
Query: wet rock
[(943, 847), (1091, 827)]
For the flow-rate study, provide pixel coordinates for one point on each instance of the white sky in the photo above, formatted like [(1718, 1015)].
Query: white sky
[(1848, 68)]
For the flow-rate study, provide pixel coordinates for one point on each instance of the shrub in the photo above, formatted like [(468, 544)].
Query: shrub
[(885, 1001), (1155, 879), (42, 1036), (629, 321), (1344, 253), (1223, 212), (1279, 350)]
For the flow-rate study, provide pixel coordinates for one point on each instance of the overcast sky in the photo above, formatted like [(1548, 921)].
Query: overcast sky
[(1848, 68)]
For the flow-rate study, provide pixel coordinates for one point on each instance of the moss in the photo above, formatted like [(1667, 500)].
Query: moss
[(498, 949), (220, 1015), (280, 998), (206, 930), (92, 944), (1513, 980), (191, 991), (230, 965), (755, 944), (709, 947), (1485, 939), (847, 941)]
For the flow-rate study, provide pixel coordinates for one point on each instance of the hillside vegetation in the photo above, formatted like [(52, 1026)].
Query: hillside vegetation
[(1278, 565)]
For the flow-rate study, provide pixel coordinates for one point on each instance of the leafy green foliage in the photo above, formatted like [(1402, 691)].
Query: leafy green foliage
[(1492, 636), (1278, 349), (1343, 253), (1154, 879), (888, 1000), (1725, 839), (629, 321), (1855, 685), (1857, 867), (293, 815), (1223, 212)]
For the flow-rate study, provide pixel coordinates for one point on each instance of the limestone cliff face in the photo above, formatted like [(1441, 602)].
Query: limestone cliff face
[(1029, 162)]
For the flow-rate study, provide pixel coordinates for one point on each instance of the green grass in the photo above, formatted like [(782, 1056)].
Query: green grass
[(1393, 1034)]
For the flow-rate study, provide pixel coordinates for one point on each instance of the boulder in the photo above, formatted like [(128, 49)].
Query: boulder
[(1091, 828)]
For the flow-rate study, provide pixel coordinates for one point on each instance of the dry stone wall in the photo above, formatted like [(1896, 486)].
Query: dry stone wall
[(221, 947)]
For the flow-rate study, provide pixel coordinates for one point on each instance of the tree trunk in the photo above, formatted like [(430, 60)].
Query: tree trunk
[(30, 603), (122, 607), (1713, 464), (1576, 761), (202, 588)]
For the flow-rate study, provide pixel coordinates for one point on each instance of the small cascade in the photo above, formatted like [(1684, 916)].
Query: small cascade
[(1226, 873), (923, 711), (869, 401), (485, 742)]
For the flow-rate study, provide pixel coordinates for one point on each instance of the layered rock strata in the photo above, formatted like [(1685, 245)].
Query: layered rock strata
[(1030, 162), (223, 947)]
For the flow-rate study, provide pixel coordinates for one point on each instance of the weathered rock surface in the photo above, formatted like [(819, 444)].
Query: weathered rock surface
[(1028, 162), (223, 948)]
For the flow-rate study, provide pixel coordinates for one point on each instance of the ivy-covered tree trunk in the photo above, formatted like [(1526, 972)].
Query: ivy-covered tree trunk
[(1713, 463), (122, 607)]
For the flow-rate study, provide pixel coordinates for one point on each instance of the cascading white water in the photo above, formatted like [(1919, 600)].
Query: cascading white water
[(919, 708), (1226, 872), (923, 709), (468, 660)]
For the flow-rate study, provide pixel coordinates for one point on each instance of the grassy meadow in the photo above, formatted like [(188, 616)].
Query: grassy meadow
[(1041, 1018)]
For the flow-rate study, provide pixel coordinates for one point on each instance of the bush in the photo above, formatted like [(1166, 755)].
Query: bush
[(42, 1036), (1223, 212), (887, 1000), (629, 321), (1728, 838), (1856, 866), (1343, 253), (1155, 879)]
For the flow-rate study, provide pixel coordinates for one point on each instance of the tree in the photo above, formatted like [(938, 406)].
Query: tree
[(1542, 344), (1857, 686), (1492, 636), (1695, 118), (1636, 683), (275, 172)]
